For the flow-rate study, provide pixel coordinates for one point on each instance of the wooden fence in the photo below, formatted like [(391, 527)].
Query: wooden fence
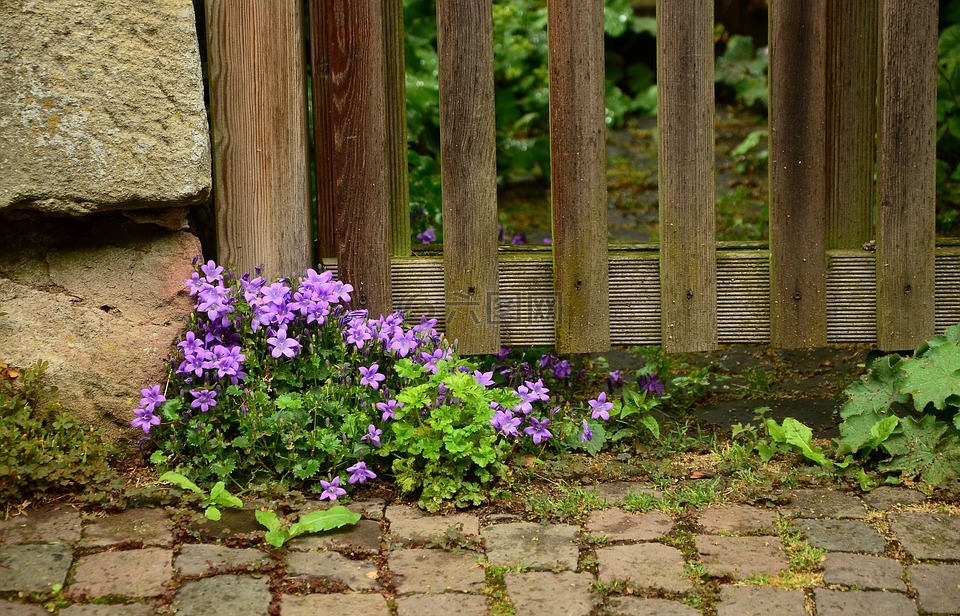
[(814, 284)]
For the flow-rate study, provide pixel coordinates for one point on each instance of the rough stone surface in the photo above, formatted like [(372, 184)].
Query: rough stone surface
[(232, 523), (742, 557), (237, 595), (447, 604), (620, 525), (126, 609), (863, 603), (538, 546), (938, 587), (735, 518), (364, 536), (821, 503), (635, 606), (531, 592), (436, 571), (928, 536), (151, 527), (842, 535), (354, 574), (202, 558), (753, 601), (411, 525), (53, 525), (33, 567), (101, 106), (103, 305), (863, 571), (132, 573), (644, 565), (349, 604), (887, 497), (11, 608)]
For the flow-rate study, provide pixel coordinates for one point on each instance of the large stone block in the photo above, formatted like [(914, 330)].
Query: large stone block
[(101, 106), (102, 301)]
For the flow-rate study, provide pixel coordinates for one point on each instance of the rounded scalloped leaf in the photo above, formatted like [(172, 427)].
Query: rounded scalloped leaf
[(934, 377)]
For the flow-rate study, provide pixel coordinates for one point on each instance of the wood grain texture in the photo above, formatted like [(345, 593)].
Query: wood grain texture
[(906, 180), (322, 130), (354, 34), (395, 114), (798, 302), (578, 174), (685, 98), (852, 31), (259, 125), (468, 151)]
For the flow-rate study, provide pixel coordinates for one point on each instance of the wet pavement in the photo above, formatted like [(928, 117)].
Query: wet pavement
[(888, 552)]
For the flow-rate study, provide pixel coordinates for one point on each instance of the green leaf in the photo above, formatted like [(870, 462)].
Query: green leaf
[(865, 432), (795, 433), (651, 423), (220, 496), (276, 538), (877, 390), (317, 521), (595, 445), (212, 513), (179, 480), (920, 448), (407, 369), (934, 377), (867, 483), (766, 452), (268, 519), (157, 457), (306, 470)]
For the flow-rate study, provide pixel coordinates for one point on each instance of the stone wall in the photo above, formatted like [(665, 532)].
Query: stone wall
[(104, 146)]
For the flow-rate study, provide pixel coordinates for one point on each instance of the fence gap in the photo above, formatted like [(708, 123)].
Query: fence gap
[(906, 180), (468, 151), (354, 42), (685, 91), (395, 109), (852, 30), (578, 175), (798, 300), (259, 119), (322, 130)]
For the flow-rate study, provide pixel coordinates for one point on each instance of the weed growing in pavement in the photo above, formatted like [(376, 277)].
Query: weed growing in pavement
[(675, 499), (568, 504), (314, 522), (804, 558), (218, 496)]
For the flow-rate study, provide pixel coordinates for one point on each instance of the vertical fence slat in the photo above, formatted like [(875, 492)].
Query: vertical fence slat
[(322, 129), (688, 261), (395, 95), (354, 34), (906, 181), (261, 182), (468, 151), (852, 29), (798, 299), (578, 174)]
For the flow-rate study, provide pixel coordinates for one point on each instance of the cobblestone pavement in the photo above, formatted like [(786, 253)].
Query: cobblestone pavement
[(884, 553)]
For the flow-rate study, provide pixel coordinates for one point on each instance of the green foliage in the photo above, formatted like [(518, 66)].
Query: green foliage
[(218, 496), (43, 449), (742, 69), (792, 435), (675, 499), (570, 504), (948, 120), (313, 522)]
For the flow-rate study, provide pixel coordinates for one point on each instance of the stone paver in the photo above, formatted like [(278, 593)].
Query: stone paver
[(127, 609), (620, 525), (863, 603), (33, 567), (53, 525), (132, 573), (742, 557), (202, 558), (887, 497), (151, 527), (928, 536), (842, 535), (538, 546), (232, 523), (532, 592), (237, 595), (12, 608), (436, 571), (363, 537), (754, 601), (739, 519), (341, 604), (938, 587), (453, 604), (615, 492), (863, 571), (822, 503), (413, 525), (644, 565), (636, 606), (354, 574)]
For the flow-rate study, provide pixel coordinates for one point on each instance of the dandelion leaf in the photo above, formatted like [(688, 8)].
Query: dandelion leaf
[(877, 390), (933, 378), (865, 432)]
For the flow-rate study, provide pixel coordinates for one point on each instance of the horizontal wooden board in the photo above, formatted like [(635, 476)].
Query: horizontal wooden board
[(743, 292)]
